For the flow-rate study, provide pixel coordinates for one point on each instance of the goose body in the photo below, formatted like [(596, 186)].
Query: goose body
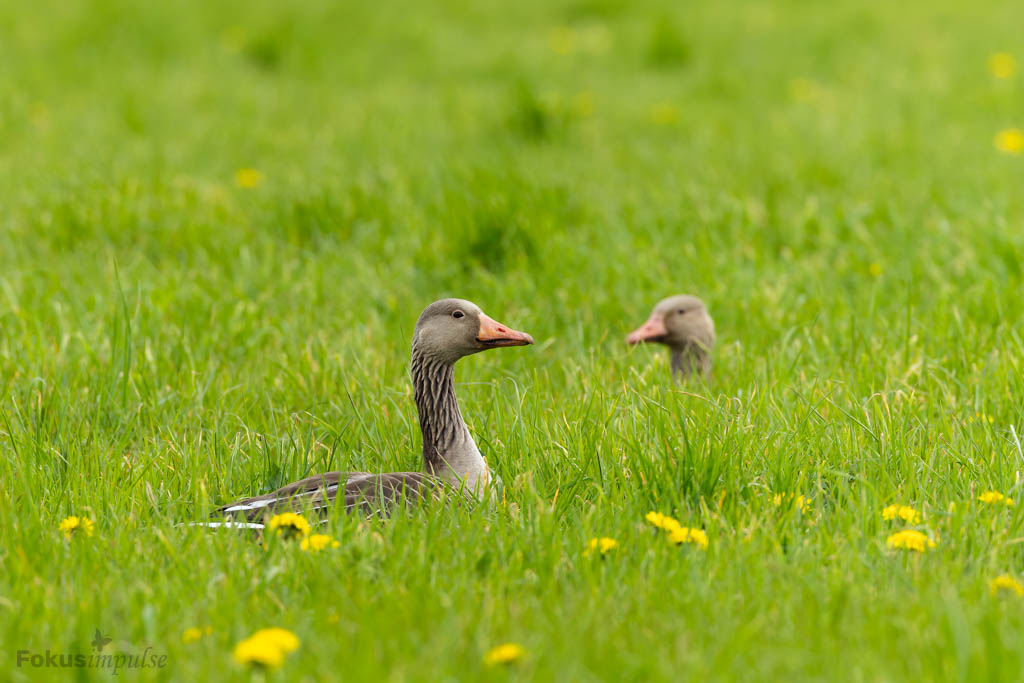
[(322, 492), (446, 331), (683, 324)]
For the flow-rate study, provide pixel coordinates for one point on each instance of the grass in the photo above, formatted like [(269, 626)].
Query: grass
[(823, 176)]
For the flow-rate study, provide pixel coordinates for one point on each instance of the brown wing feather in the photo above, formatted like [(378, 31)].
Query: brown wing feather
[(368, 492)]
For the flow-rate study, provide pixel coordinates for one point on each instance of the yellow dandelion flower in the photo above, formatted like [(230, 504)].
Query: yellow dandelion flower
[(1009, 141), (902, 512), (686, 535), (259, 653), (76, 525), (995, 498), (318, 542), (909, 539), (249, 178), (504, 654), (1006, 583), (266, 648), (664, 113), (657, 519), (699, 537), (663, 522), (601, 546), (797, 501), (280, 638), (288, 524), (875, 269), (191, 635), (679, 536), (1002, 65)]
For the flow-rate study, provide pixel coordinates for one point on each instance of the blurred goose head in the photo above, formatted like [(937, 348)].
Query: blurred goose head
[(681, 323)]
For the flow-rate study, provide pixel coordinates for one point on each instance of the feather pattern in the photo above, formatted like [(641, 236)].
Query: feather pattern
[(347, 490), (445, 436), (690, 358)]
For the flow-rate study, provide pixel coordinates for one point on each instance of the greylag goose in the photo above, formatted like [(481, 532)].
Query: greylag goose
[(681, 323), (446, 331)]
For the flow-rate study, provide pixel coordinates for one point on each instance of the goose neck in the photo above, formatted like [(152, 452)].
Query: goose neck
[(690, 359), (449, 451)]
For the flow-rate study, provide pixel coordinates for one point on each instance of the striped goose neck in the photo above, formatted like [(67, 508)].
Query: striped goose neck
[(690, 359), (448, 449)]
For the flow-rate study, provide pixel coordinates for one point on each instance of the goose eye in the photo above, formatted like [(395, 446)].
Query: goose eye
[(458, 314), (681, 311)]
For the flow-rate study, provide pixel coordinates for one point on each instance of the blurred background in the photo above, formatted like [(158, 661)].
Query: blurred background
[(567, 161)]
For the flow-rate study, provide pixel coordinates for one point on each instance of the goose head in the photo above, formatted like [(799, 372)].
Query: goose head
[(450, 329), (682, 323)]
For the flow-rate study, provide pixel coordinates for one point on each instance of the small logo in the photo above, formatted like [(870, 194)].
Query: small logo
[(124, 656), (99, 642)]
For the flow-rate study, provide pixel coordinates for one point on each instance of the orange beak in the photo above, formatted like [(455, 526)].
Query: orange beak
[(652, 330), (493, 335)]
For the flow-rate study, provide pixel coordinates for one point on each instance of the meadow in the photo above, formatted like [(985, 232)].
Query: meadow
[(220, 221)]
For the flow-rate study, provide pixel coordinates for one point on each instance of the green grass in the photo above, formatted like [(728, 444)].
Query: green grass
[(823, 175)]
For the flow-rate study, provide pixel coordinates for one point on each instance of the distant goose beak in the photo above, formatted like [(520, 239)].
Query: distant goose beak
[(652, 330), (493, 335)]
